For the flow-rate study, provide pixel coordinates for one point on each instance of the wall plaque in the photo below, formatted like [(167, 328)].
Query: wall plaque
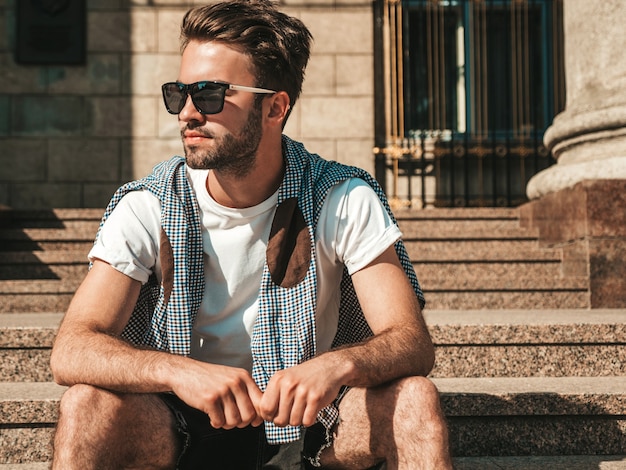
[(51, 32)]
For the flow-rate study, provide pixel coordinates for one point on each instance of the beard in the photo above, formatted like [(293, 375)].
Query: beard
[(231, 155)]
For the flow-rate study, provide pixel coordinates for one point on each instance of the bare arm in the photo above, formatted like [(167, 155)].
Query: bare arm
[(88, 349), (401, 346)]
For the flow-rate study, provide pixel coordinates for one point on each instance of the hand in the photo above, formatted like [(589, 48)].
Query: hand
[(228, 395), (294, 396)]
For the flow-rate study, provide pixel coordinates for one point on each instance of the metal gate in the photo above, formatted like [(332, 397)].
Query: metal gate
[(464, 92)]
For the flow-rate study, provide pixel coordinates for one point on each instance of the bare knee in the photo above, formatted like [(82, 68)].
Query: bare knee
[(416, 392), (113, 430), (412, 406), (82, 403)]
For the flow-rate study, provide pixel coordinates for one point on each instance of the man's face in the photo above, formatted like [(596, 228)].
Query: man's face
[(228, 141)]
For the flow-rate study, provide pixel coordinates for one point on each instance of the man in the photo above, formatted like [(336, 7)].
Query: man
[(250, 306)]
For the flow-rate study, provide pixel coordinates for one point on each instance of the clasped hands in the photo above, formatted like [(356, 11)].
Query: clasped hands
[(232, 399)]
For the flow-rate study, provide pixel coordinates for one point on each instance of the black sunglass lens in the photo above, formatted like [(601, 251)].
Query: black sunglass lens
[(174, 97), (208, 100)]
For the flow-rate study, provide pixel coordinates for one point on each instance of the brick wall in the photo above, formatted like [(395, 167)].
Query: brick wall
[(70, 135)]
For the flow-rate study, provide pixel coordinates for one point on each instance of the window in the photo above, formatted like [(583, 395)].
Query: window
[(480, 80)]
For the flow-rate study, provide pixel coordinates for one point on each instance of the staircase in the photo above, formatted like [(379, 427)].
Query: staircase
[(530, 377)]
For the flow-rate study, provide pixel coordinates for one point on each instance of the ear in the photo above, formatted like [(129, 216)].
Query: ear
[(278, 108)]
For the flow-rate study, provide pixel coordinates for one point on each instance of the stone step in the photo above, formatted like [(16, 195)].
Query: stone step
[(473, 285), (486, 252), (433, 247), (480, 280), (477, 300), (47, 245), (58, 229), (459, 213), (535, 415), (464, 230), (504, 343), (472, 270), (49, 217), (28, 413), (487, 417), (33, 265), (568, 462), (25, 344), (528, 343), (43, 271), (52, 258), (19, 296), (37, 239)]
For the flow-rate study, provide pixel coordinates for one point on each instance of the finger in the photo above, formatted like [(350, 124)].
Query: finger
[(285, 406), (231, 415), (232, 411), (268, 405), (247, 410), (309, 417), (298, 407), (256, 396), (216, 414)]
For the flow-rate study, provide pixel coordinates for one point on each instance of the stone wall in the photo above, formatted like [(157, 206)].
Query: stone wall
[(70, 135)]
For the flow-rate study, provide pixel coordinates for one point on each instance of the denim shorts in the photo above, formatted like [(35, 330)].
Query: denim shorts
[(204, 447)]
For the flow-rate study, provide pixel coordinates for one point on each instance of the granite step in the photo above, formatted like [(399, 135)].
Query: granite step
[(513, 299), (23, 296), (433, 247), (504, 252), (57, 229), (465, 213), (471, 270), (504, 343), (38, 239), (573, 462), (25, 344), (528, 343), (41, 295), (49, 217), (477, 223), (464, 230), (486, 416), (535, 415), (459, 262), (42, 271)]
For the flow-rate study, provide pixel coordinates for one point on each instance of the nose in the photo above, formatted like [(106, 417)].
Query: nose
[(189, 112)]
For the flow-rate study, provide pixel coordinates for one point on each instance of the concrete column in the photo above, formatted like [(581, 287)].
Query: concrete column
[(588, 138)]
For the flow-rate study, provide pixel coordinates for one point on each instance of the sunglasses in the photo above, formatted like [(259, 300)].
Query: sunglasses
[(207, 97)]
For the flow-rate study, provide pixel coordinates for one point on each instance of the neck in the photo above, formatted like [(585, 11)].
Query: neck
[(251, 189)]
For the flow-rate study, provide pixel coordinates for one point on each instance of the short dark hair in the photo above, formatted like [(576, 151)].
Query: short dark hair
[(278, 44)]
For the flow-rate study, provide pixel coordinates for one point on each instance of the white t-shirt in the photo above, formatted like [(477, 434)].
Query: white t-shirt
[(353, 229)]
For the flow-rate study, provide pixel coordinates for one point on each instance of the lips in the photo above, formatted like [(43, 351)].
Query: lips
[(195, 136)]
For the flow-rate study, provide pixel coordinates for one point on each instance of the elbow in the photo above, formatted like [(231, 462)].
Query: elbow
[(426, 358), (429, 361), (58, 366)]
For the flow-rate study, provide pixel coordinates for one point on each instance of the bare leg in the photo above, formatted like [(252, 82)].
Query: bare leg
[(105, 430), (400, 423)]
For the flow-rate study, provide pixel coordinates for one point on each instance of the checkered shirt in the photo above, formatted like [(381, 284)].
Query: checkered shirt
[(284, 332), (156, 321)]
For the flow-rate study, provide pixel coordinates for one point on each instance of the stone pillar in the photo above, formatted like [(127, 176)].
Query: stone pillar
[(579, 204), (588, 139)]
